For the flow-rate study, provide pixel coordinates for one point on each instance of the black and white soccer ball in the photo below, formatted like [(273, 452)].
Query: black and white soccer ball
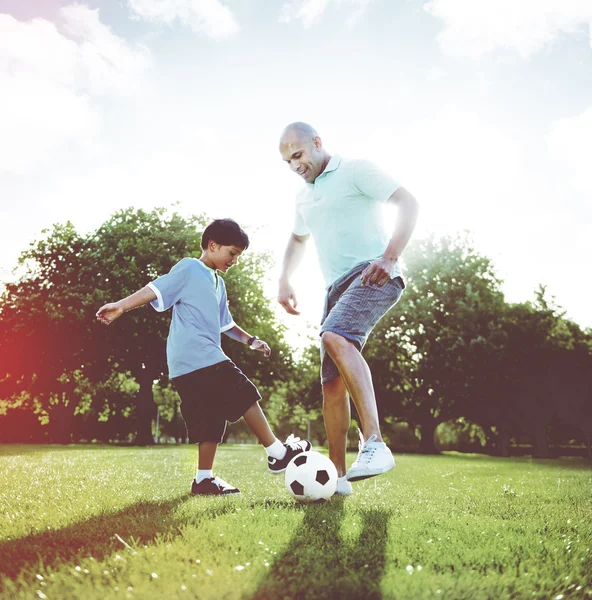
[(311, 477)]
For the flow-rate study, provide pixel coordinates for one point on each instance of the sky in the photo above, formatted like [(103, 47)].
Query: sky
[(481, 109)]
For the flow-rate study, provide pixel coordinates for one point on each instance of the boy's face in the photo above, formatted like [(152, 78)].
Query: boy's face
[(223, 257)]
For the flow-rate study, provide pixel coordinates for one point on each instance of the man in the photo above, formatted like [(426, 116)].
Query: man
[(341, 207)]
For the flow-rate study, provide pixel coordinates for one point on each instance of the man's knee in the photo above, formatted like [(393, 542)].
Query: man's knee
[(334, 343)]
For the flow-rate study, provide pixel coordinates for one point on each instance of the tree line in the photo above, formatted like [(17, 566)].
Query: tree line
[(452, 351)]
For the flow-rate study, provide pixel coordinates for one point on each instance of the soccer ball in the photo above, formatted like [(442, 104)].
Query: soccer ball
[(311, 477)]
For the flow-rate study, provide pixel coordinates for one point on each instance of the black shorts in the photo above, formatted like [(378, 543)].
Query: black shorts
[(212, 396)]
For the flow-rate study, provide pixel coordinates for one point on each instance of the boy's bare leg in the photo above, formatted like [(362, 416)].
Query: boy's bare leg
[(258, 424), (337, 416), (358, 380), (205, 484), (206, 455)]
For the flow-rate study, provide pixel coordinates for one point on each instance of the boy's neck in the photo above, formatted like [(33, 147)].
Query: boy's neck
[(205, 259)]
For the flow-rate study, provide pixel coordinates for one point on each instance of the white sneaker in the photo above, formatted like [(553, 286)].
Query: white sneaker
[(344, 487), (373, 459)]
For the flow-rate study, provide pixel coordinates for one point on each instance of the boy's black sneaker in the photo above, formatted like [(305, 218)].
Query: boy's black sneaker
[(294, 446), (212, 486)]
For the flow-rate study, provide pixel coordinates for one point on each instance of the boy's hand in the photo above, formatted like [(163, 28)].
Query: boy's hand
[(261, 346), (108, 313)]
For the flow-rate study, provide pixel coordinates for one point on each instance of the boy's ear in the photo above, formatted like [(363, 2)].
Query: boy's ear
[(213, 246)]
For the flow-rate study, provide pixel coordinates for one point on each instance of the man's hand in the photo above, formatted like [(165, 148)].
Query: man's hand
[(379, 271), (261, 346), (108, 313), (287, 298)]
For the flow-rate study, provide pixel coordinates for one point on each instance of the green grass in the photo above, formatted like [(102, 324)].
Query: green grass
[(107, 522)]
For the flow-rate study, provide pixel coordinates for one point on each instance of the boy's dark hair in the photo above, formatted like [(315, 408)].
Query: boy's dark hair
[(226, 232)]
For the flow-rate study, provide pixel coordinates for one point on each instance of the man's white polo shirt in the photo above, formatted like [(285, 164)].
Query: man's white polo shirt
[(342, 210)]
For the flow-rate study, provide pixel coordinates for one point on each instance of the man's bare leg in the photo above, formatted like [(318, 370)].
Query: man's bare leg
[(336, 414), (357, 379)]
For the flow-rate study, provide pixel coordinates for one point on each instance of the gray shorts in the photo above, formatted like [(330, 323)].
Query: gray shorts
[(353, 310)]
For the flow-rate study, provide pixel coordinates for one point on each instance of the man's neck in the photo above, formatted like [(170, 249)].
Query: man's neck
[(326, 161)]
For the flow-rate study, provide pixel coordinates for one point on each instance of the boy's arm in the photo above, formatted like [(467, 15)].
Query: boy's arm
[(240, 335), (108, 313)]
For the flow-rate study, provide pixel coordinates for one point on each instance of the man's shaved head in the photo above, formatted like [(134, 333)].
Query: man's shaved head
[(299, 129), (302, 148)]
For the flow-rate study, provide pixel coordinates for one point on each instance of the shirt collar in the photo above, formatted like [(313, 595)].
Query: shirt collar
[(212, 272), (334, 162), (332, 165)]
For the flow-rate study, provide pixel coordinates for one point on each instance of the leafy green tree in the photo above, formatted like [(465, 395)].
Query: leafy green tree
[(420, 350), (253, 311), (44, 331), (130, 249), (49, 331), (539, 364)]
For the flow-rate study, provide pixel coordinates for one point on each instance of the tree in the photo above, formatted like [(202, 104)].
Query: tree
[(130, 249), (420, 351), (43, 331), (538, 364), (49, 332)]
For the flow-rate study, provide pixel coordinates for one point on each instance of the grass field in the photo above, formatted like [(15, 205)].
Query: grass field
[(109, 522)]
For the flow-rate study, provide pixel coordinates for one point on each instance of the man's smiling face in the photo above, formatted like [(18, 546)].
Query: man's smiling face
[(304, 155)]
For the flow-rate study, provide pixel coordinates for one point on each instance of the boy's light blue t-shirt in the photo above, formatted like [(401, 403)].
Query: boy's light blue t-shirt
[(342, 210), (200, 314)]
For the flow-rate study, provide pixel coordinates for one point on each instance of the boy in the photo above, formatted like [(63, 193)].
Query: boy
[(212, 389)]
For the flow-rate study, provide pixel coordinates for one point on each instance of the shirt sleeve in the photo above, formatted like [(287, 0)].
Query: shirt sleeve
[(373, 182), (169, 287), (300, 227), (226, 321)]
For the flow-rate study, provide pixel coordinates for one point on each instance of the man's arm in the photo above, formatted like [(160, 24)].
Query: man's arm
[(292, 258), (240, 335), (108, 313), (380, 271)]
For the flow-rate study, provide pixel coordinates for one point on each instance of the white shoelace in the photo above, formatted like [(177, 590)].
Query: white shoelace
[(292, 441), (221, 483), (366, 450)]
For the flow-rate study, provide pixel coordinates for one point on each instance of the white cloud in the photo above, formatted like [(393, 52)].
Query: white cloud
[(106, 62), (37, 116), (475, 27), (211, 17), (310, 12), (468, 171), (569, 144), (470, 174), (49, 78)]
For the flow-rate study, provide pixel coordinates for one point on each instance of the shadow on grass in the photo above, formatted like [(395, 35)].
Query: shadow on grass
[(139, 523), (320, 564)]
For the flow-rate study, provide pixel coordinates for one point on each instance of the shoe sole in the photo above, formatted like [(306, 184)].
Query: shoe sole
[(274, 472), (225, 494), (368, 475)]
